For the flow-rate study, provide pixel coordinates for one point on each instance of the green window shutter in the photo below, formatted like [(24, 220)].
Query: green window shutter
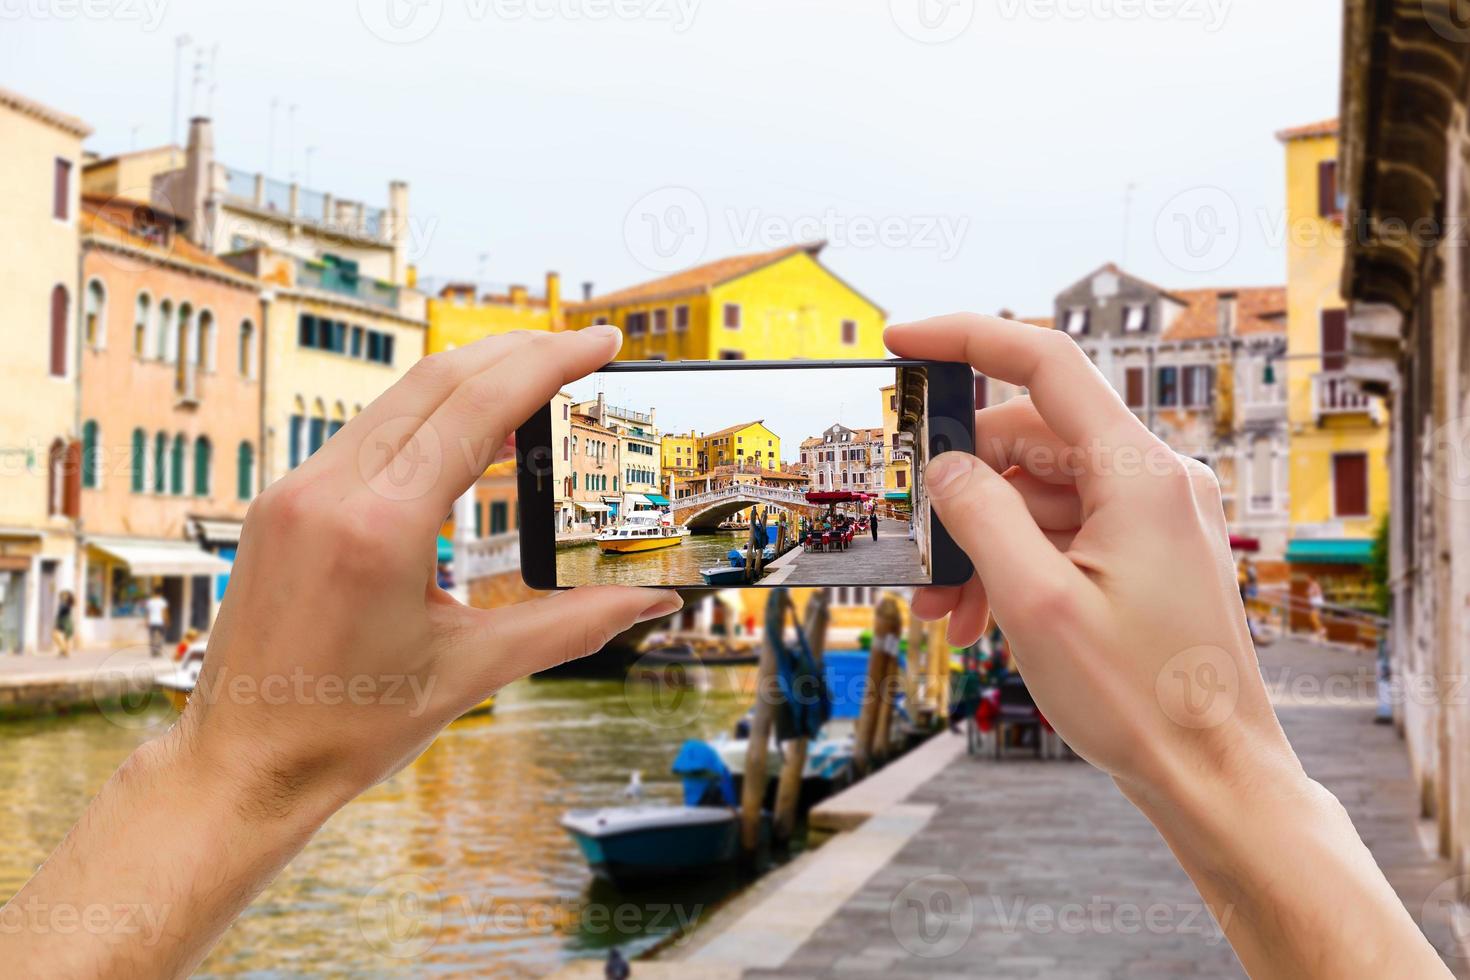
[(245, 471), (176, 467), (202, 456), (139, 458), (89, 454), (160, 453), (479, 520)]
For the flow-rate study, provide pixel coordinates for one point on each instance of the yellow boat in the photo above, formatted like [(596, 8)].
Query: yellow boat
[(643, 530)]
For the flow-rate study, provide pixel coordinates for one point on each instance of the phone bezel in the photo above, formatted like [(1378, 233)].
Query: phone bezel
[(951, 399)]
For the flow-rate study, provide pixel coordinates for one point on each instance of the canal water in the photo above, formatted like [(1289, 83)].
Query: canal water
[(678, 565), (455, 865)]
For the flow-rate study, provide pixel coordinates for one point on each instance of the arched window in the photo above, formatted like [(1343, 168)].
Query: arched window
[(317, 434), (141, 310), (298, 433), (94, 315), (165, 329), (183, 350), (90, 449), (60, 304), (56, 479), (247, 349), (203, 454), (176, 467), (160, 461), (339, 419), (204, 348), (138, 460), (245, 471)]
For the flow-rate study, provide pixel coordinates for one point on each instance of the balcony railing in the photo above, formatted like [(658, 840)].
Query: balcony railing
[(1334, 393), (308, 206), (335, 278), (498, 554)]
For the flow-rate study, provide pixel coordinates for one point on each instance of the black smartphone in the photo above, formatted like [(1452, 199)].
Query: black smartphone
[(743, 473)]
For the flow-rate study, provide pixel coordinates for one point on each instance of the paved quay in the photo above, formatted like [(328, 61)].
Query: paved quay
[(893, 560), (33, 684), (1042, 869)]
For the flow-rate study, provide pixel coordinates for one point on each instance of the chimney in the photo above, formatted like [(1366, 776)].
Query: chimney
[(397, 230), (198, 169), (517, 295), (586, 291), (553, 300), (602, 408), (411, 278)]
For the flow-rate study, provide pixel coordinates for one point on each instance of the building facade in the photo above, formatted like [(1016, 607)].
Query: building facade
[(171, 416), (1339, 432), (845, 459), (898, 470), (595, 463), (40, 447), (744, 443), (464, 312), (775, 305), (561, 461), (639, 480)]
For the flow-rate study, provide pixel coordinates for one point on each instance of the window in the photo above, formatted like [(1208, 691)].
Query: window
[(566, 448), (732, 355), (203, 456), (637, 324), (499, 517), (1135, 318), (246, 354), (1263, 477), (1334, 340), (298, 433), (138, 460), (902, 478), (56, 479), (160, 467), (245, 471), (1225, 314), (59, 304), (176, 467), (1133, 386), (339, 419), (61, 191), (1078, 321), (357, 341), (479, 520), (849, 332), (1350, 484), (1199, 389), (165, 325), (94, 315), (204, 354), (317, 432), (140, 325), (732, 316), (90, 449), (681, 319), (661, 321), (1328, 203), (306, 331), (1168, 386)]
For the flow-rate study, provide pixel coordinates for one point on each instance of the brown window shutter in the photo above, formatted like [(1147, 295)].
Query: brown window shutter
[(73, 495), (1350, 484), (1135, 387), (1334, 340), (58, 331), (61, 199), (1327, 188)]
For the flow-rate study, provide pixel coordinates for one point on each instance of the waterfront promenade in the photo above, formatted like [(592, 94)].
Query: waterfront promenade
[(892, 560), (42, 683), (1025, 868)]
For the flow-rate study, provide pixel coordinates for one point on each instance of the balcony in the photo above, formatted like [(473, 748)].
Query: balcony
[(1336, 394), (352, 219), (341, 277)]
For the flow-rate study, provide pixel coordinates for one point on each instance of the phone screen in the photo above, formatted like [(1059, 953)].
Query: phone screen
[(745, 476)]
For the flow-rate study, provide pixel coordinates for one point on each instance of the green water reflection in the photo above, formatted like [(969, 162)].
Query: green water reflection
[(468, 835), (678, 565)]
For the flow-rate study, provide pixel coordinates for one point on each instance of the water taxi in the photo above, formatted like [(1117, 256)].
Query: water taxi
[(642, 530)]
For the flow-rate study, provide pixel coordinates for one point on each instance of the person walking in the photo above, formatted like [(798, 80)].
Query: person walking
[(1315, 601), (65, 626), (156, 612), (873, 524)]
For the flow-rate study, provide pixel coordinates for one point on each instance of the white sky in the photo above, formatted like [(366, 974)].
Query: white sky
[(530, 135), (794, 404)]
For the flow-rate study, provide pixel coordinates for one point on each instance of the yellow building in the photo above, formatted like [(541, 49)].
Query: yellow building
[(678, 455), (749, 443), (1339, 477), (898, 475), (775, 305), (461, 313), (40, 486)]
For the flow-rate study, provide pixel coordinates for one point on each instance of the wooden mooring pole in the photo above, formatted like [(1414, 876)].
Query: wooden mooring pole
[(753, 791), (887, 624), (793, 761)]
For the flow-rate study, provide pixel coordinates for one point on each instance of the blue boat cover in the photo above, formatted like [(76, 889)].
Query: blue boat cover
[(702, 768), (803, 684)]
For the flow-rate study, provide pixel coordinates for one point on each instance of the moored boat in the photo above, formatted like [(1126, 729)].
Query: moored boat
[(642, 530)]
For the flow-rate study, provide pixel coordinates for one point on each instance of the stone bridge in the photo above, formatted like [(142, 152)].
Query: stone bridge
[(706, 510)]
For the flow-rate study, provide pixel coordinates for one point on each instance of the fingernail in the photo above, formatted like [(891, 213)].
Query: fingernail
[(666, 604), (945, 474), (604, 330)]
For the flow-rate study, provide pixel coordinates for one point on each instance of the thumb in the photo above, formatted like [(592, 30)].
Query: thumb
[(988, 518), (492, 647)]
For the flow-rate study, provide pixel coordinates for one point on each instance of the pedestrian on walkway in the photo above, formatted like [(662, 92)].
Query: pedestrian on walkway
[(873, 525), (155, 610), (1315, 603), (1132, 644), (65, 626)]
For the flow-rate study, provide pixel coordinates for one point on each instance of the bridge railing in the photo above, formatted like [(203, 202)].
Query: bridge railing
[(749, 490), (495, 555)]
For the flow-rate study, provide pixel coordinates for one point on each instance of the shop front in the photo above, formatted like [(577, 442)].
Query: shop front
[(121, 573)]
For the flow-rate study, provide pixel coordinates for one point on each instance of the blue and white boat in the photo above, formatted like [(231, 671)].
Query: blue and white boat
[(629, 843)]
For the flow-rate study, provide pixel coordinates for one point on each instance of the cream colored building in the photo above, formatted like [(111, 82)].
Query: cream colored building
[(40, 169), (561, 461)]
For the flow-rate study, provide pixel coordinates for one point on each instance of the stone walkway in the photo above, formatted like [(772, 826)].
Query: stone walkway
[(1042, 869), (891, 560)]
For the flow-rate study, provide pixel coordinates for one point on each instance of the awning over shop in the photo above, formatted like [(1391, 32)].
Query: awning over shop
[(1241, 542), (634, 499), (446, 549), (591, 508), (896, 495), (151, 556), (658, 500), (611, 498), (218, 532), (1330, 551)]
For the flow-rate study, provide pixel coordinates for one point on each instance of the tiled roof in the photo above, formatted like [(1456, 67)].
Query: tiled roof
[(1257, 310), (110, 219), (699, 278), (1046, 322), (34, 109), (1327, 127), (734, 428)]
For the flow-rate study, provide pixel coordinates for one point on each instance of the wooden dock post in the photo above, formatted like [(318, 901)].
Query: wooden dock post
[(753, 790), (793, 762), (887, 623)]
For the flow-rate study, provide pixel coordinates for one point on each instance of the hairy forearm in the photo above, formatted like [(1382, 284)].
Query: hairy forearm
[(1289, 880), (161, 862)]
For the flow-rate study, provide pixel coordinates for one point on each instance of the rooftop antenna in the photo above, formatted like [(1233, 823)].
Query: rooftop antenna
[(291, 141), (1127, 220), (310, 150), (270, 138), (196, 81), (213, 80), (181, 41)]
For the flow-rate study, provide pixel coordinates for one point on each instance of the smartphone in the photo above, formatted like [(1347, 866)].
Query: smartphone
[(734, 474)]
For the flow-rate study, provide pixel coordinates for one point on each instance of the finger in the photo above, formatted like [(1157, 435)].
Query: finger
[(1014, 434), (489, 648), (450, 451), (933, 602), (971, 614), (987, 517), (1069, 392)]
